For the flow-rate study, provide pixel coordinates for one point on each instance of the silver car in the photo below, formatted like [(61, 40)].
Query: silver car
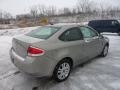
[(55, 50)]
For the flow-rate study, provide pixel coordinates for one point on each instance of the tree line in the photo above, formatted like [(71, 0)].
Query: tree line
[(5, 15), (82, 7)]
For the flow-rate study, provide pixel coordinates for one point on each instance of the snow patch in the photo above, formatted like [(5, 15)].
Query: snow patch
[(115, 85)]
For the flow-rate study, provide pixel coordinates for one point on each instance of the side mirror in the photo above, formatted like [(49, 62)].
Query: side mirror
[(101, 36)]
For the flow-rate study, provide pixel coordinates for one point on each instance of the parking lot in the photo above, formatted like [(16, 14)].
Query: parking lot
[(98, 74)]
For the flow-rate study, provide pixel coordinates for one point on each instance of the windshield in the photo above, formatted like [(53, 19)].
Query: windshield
[(43, 32)]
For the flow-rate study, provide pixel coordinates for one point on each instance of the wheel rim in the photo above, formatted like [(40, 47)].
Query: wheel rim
[(63, 71), (105, 50)]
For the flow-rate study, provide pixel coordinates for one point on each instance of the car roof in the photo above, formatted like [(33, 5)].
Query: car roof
[(104, 20), (65, 25)]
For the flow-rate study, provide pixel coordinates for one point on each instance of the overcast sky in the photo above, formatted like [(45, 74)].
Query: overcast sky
[(22, 6)]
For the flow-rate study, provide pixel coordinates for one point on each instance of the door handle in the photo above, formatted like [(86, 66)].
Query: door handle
[(95, 37), (87, 41)]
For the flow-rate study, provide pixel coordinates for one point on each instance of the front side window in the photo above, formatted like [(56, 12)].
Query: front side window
[(43, 32), (88, 33), (119, 21), (115, 23), (72, 34), (111, 23)]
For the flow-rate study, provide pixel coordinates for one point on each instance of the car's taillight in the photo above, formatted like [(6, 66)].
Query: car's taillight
[(33, 51)]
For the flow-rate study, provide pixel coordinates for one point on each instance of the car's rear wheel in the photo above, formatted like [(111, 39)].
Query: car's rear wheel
[(105, 51), (62, 70)]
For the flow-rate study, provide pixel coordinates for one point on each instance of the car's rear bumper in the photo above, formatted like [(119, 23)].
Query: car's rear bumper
[(38, 67)]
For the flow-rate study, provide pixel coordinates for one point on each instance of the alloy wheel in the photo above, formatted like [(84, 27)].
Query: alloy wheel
[(63, 71)]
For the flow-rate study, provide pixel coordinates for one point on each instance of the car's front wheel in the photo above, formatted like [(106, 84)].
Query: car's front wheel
[(105, 51), (62, 70)]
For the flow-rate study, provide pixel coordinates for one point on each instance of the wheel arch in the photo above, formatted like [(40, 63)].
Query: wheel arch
[(107, 44), (67, 58), (62, 60)]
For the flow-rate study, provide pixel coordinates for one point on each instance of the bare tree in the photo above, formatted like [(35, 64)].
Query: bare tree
[(1, 15), (42, 10), (74, 11), (7, 15), (51, 11), (84, 6), (66, 11), (34, 12)]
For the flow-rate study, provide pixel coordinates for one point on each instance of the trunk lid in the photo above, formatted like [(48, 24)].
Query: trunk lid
[(20, 44)]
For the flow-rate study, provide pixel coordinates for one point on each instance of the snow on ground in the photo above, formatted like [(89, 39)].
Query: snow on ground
[(98, 74), (17, 31)]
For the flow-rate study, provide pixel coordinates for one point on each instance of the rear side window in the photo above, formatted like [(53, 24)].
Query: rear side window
[(43, 32), (88, 32), (107, 23), (95, 23), (72, 34)]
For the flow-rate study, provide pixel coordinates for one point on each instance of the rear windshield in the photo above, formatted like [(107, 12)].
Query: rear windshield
[(43, 32)]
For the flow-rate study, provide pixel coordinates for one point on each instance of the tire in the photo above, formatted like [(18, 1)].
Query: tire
[(105, 51), (62, 70)]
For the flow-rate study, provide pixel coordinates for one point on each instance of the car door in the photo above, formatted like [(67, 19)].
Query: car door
[(73, 44), (92, 43)]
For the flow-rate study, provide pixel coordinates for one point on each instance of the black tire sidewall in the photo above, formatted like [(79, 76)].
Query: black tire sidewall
[(104, 55)]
